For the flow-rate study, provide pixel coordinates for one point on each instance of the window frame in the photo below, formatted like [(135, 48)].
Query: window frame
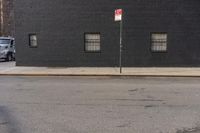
[(92, 51), (29, 37), (158, 51)]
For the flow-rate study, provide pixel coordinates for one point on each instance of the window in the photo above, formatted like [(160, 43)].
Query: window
[(12, 43), (158, 42), (4, 41), (92, 42), (33, 40)]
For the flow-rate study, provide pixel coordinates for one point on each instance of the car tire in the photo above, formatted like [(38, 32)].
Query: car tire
[(9, 57), (13, 57)]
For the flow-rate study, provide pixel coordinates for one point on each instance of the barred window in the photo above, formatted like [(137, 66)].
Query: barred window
[(158, 42), (92, 42), (33, 40)]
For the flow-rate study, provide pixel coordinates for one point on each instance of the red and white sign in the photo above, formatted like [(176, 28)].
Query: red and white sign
[(118, 14)]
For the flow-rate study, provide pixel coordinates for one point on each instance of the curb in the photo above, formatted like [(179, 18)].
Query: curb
[(97, 75)]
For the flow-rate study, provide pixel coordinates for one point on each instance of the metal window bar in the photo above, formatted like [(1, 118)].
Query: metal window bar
[(33, 43), (159, 42), (33, 40), (92, 42)]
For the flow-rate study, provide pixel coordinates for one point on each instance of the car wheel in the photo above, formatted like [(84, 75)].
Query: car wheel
[(9, 57), (13, 57)]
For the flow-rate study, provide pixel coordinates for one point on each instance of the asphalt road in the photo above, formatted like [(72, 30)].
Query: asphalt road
[(99, 105)]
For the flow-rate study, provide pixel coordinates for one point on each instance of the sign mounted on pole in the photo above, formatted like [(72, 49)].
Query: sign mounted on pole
[(118, 14), (118, 17)]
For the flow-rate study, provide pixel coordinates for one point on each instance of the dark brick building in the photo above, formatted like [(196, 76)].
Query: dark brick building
[(7, 17), (83, 33)]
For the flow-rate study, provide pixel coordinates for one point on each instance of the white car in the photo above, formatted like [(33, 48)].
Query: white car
[(7, 48)]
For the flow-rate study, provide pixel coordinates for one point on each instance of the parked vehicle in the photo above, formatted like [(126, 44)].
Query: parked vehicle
[(7, 48)]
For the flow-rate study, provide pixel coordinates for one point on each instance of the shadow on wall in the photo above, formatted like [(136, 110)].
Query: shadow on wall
[(8, 123)]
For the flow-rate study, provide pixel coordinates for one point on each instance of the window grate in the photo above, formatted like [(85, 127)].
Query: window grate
[(33, 40), (159, 42), (92, 42)]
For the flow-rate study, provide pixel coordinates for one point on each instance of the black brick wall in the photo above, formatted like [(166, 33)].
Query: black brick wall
[(60, 26)]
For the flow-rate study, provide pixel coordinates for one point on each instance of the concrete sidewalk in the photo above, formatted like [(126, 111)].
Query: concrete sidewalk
[(95, 71)]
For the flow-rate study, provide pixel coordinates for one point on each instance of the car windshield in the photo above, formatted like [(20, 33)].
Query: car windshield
[(4, 41)]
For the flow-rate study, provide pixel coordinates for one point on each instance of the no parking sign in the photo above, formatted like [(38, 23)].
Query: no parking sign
[(118, 14)]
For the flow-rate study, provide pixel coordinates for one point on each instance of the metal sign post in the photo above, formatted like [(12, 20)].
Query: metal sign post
[(120, 62), (118, 17)]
